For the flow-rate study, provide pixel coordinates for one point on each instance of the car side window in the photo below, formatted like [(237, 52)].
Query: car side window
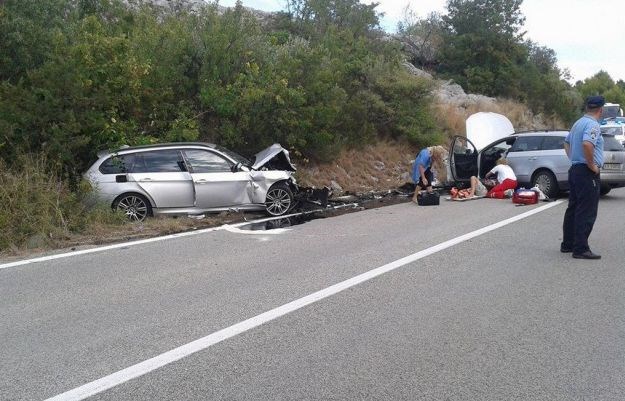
[(553, 143), (204, 161), (117, 164), (158, 161), (526, 144)]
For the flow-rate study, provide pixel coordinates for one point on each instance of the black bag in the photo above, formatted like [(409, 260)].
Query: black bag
[(428, 198)]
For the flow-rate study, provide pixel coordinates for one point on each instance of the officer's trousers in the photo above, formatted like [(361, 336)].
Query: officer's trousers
[(581, 213)]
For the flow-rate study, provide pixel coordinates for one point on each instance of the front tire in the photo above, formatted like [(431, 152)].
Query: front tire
[(135, 206), (546, 181), (279, 199)]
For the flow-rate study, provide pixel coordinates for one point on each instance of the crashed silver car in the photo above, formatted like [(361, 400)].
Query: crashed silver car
[(193, 178)]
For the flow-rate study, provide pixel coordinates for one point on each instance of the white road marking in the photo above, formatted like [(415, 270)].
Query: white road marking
[(142, 368), (237, 230), (141, 242)]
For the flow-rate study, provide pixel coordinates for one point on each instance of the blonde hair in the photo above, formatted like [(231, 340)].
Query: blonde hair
[(502, 161), (439, 156)]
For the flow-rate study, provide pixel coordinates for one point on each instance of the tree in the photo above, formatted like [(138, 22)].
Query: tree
[(602, 84), (421, 39), (482, 48), (313, 18)]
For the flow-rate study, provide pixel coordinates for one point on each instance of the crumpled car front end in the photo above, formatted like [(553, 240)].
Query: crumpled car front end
[(275, 166)]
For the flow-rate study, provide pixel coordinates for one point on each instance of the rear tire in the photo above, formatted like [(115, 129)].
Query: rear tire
[(546, 181), (135, 206), (279, 199), (604, 190)]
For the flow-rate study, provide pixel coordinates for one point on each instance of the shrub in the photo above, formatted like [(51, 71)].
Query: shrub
[(39, 208)]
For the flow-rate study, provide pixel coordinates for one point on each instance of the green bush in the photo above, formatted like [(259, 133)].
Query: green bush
[(38, 208)]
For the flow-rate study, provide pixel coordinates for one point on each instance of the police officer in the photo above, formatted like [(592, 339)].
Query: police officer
[(584, 147)]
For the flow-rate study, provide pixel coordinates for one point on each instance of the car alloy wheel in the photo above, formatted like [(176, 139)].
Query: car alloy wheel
[(546, 181), (279, 200), (135, 207)]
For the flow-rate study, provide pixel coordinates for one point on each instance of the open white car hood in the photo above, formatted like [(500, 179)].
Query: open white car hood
[(485, 128), (274, 157)]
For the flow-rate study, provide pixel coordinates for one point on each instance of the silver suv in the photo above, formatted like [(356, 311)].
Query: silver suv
[(537, 158), (191, 178)]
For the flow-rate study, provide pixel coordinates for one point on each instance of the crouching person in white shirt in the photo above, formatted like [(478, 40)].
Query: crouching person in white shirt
[(506, 180)]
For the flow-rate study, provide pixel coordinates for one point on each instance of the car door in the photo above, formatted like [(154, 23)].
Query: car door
[(524, 155), (163, 176), (553, 158), (463, 159), (216, 184)]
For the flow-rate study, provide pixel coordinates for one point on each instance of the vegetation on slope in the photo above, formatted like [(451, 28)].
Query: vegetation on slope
[(321, 78)]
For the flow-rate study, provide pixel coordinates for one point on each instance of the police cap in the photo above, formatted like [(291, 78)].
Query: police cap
[(594, 102)]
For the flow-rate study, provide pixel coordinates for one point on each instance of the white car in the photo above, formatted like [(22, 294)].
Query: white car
[(614, 127)]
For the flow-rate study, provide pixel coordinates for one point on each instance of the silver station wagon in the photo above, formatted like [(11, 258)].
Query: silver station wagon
[(537, 158), (192, 178)]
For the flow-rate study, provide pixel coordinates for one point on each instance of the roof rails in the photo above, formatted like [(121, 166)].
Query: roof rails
[(157, 145), (535, 131)]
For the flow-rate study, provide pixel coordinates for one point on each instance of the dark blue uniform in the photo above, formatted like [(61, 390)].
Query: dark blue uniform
[(581, 213)]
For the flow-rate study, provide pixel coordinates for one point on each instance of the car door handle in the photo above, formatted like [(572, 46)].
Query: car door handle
[(532, 158), (202, 181), (147, 179)]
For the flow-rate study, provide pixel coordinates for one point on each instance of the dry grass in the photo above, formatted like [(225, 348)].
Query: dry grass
[(377, 167), (103, 232), (452, 117)]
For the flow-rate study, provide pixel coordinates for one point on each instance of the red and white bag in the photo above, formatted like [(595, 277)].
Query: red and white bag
[(524, 196)]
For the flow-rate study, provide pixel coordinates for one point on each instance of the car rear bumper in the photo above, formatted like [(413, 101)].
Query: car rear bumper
[(613, 180)]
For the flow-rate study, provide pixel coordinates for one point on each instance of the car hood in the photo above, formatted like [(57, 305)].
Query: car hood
[(274, 157), (485, 128)]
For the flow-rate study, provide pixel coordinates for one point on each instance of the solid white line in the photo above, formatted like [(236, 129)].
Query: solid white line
[(142, 368), (143, 241)]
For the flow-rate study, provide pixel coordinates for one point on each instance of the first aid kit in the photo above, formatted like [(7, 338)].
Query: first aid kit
[(524, 196)]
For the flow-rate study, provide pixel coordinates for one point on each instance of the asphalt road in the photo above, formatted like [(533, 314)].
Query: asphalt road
[(502, 315)]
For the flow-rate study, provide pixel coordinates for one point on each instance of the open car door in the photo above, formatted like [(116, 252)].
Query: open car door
[(463, 159)]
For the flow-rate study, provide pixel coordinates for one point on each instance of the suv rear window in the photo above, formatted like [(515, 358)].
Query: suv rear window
[(117, 164), (158, 161), (526, 144), (553, 143)]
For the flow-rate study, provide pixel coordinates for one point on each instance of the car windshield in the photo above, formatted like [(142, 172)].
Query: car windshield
[(234, 156), (611, 144)]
